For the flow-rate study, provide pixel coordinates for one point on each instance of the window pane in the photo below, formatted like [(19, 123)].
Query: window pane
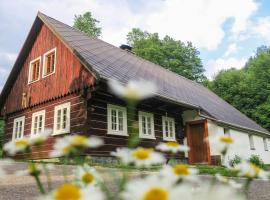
[(166, 128), (58, 119), (113, 118), (171, 129), (149, 125), (144, 125), (20, 129), (64, 125), (120, 120), (16, 129)]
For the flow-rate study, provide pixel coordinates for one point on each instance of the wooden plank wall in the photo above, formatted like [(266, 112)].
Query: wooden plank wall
[(78, 117), (97, 124), (70, 75)]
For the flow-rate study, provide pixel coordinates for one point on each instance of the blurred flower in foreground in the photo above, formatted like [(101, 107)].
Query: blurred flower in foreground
[(180, 171), (251, 171), (72, 144), (33, 169), (173, 147), (155, 188), (228, 181), (16, 146), (87, 175), (70, 191), (40, 138), (134, 90), (221, 143), (141, 157)]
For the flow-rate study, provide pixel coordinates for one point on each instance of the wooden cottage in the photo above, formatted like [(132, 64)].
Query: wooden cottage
[(59, 81)]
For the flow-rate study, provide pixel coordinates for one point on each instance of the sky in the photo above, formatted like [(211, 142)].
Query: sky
[(226, 32)]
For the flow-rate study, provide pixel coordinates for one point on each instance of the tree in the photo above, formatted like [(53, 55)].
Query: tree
[(87, 24), (171, 54), (248, 89), (1, 136)]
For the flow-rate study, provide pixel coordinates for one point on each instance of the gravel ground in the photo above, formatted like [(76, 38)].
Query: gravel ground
[(23, 187)]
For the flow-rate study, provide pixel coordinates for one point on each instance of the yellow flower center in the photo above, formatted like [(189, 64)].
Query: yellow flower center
[(131, 93), (67, 149), (68, 192), (87, 178), (79, 140), (181, 170), (21, 142), (156, 193), (226, 140), (253, 172), (142, 153), (172, 144)]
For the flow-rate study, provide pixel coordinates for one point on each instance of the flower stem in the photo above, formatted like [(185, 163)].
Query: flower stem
[(41, 189)]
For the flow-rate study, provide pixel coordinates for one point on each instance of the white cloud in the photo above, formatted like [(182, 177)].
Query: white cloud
[(224, 63), (262, 28), (232, 49)]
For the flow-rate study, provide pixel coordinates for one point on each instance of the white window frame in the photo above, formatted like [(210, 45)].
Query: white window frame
[(141, 134), (251, 142), (265, 144), (19, 119), (61, 130), (34, 115), (169, 119), (30, 70), (44, 62), (110, 131)]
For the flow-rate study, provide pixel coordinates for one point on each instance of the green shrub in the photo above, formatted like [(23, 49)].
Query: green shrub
[(256, 160), (235, 161)]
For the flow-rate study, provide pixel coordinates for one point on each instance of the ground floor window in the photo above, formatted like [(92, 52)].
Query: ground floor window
[(168, 126), (62, 119), (146, 125), (38, 122), (18, 127)]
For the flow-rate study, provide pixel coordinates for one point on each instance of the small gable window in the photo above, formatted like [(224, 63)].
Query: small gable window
[(146, 125), (62, 119), (265, 144), (34, 70), (117, 120), (38, 122), (251, 142), (168, 125), (49, 61), (18, 128)]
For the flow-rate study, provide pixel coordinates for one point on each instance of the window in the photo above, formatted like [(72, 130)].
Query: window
[(18, 128), (265, 144), (34, 70), (117, 120), (62, 119), (227, 132), (49, 62), (38, 122), (146, 125), (251, 142), (168, 127)]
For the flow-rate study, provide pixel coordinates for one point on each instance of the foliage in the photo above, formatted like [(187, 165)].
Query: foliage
[(256, 160), (212, 170), (174, 55), (1, 134), (235, 161), (248, 89), (87, 24)]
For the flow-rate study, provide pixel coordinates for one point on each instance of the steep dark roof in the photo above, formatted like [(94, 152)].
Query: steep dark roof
[(110, 62)]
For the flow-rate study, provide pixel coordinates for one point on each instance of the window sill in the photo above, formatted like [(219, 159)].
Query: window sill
[(118, 133), (30, 82), (60, 133), (252, 149), (147, 137), (44, 76), (169, 139)]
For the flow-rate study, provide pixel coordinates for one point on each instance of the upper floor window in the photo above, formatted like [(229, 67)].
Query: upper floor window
[(18, 128), (227, 132), (117, 120), (251, 142), (62, 119), (146, 125), (265, 144), (168, 126), (34, 70), (38, 122), (49, 61)]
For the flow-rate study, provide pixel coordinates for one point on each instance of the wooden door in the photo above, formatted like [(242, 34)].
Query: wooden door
[(199, 148)]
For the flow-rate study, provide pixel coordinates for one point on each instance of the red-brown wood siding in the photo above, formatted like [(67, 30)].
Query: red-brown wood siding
[(69, 76)]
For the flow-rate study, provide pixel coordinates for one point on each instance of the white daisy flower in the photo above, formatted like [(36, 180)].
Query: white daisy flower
[(69, 144), (155, 188), (228, 181), (221, 143), (134, 90), (141, 157), (173, 147), (69, 191), (33, 169), (179, 172), (40, 138), (16, 146), (87, 175), (251, 171)]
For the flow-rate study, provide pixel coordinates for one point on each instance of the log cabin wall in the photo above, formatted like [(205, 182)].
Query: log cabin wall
[(97, 124), (69, 76), (78, 115)]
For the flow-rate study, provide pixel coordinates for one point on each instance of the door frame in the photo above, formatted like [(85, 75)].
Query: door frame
[(205, 136)]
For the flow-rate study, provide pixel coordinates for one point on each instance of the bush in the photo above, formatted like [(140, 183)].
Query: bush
[(235, 161), (256, 160)]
